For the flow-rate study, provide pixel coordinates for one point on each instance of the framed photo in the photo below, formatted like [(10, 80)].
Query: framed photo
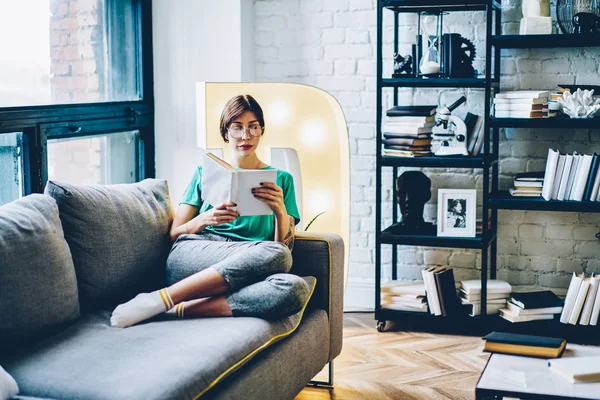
[(456, 212)]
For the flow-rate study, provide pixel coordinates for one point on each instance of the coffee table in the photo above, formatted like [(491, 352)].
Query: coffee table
[(532, 379)]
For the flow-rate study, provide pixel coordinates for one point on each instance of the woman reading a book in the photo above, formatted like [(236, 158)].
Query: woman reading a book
[(222, 264)]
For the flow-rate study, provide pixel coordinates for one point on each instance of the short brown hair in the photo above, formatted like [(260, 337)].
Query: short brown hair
[(235, 107)]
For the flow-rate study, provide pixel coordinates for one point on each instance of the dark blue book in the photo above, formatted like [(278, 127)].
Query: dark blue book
[(541, 299), (589, 186), (525, 345)]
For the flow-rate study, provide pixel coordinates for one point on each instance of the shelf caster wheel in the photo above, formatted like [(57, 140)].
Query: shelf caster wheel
[(380, 326)]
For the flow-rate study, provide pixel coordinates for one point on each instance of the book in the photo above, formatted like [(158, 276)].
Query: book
[(412, 111), (493, 308), (587, 193), (523, 94), (390, 135), (562, 188), (408, 148), (407, 142), (409, 120), (446, 289), (493, 286), (475, 138), (572, 292), (529, 189), (509, 316), (521, 107), (409, 130), (558, 175), (433, 298), (518, 311), (524, 193), (520, 114), (524, 345), (531, 101), (537, 300), (528, 184), (596, 186), (596, 309), (551, 163), (406, 153), (569, 189), (588, 305), (403, 307), (533, 176), (577, 369), (579, 300), (404, 287), (476, 297), (581, 177), (222, 183)]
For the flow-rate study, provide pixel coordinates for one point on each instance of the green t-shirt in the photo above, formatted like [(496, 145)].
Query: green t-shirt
[(252, 227)]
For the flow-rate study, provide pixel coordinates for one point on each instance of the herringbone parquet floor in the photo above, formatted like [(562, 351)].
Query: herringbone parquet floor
[(396, 365)]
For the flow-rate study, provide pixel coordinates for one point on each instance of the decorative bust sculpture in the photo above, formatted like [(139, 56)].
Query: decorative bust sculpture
[(413, 190)]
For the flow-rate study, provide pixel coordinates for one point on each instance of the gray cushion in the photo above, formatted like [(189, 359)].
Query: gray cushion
[(164, 359), (118, 235), (38, 290)]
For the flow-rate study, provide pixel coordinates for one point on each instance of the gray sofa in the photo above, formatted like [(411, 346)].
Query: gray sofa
[(69, 256)]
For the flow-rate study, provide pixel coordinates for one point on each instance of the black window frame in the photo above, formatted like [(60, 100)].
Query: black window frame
[(41, 123)]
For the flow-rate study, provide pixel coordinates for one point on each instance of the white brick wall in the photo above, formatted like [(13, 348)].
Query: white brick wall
[(331, 44)]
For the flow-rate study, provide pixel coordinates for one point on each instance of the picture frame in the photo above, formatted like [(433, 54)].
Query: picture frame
[(457, 211)]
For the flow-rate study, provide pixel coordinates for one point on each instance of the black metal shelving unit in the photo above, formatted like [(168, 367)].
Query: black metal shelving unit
[(487, 162)]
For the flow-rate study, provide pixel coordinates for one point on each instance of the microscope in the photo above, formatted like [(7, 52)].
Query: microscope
[(454, 141)]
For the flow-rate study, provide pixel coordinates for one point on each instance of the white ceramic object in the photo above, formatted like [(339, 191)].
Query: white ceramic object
[(580, 104), (536, 8)]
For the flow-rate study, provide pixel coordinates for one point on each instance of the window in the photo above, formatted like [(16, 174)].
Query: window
[(72, 100), (11, 167), (67, 51)]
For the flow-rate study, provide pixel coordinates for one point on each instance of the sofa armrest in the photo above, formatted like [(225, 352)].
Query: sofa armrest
[(322, 255)]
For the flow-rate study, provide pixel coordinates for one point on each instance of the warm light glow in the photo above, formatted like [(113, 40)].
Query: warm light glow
[(277, 113), (319, 202), (312, 132)]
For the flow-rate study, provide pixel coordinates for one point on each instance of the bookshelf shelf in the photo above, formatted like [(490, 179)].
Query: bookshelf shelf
[(407, 6), (544, 41), (433, 162), (575, 123), (504, 201), (434, 82), (476, 242)]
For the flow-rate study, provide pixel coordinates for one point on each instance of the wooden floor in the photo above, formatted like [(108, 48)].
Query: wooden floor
[(401, 365)]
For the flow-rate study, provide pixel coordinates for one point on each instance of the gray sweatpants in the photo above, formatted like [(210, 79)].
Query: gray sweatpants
[(259, 285)]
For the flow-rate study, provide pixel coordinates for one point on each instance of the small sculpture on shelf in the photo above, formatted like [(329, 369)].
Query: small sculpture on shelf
[(403, 66), (585, 23), (580, 104), (413, 190)]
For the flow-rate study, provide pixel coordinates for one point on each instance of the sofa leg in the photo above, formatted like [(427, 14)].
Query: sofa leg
[(324, 385)]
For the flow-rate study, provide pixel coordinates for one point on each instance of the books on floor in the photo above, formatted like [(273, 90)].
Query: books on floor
[(404, 296), (497, 293), (571, 177), (577, 369), (441, 291), (582, 303), (524, 345), (521, 104), (532, 306)]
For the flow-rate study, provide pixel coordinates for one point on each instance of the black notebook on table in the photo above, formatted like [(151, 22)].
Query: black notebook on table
[(541, 299)]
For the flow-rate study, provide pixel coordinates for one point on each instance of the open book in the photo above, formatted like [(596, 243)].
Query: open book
[(222, 183)]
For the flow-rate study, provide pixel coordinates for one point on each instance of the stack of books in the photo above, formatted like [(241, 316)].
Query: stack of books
[(497, 293), (531, 306), (528, 184), (524, 345), (407, 131), (441, 291), (582, 304), (404, 296), (571, 177), (521, 104)]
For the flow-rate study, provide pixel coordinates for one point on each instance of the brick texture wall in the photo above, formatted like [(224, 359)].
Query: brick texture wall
[(332, 44)]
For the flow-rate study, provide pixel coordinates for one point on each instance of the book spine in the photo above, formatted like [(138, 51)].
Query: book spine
[(587, 194)]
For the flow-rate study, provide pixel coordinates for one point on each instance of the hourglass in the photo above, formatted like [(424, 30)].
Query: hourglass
[(430, 65)]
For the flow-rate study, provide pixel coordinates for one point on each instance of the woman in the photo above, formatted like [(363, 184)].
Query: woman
[(222, 264)]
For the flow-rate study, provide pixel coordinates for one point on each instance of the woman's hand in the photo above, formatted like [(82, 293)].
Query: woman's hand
[(271, 194), (218, 215)]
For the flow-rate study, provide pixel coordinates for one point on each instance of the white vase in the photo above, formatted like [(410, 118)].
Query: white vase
[(536, 8)]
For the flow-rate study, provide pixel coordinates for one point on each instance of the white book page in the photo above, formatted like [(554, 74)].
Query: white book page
[(216, 182), (247, 204)]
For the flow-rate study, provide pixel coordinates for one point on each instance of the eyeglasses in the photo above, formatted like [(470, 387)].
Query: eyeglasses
[(236, 131)]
